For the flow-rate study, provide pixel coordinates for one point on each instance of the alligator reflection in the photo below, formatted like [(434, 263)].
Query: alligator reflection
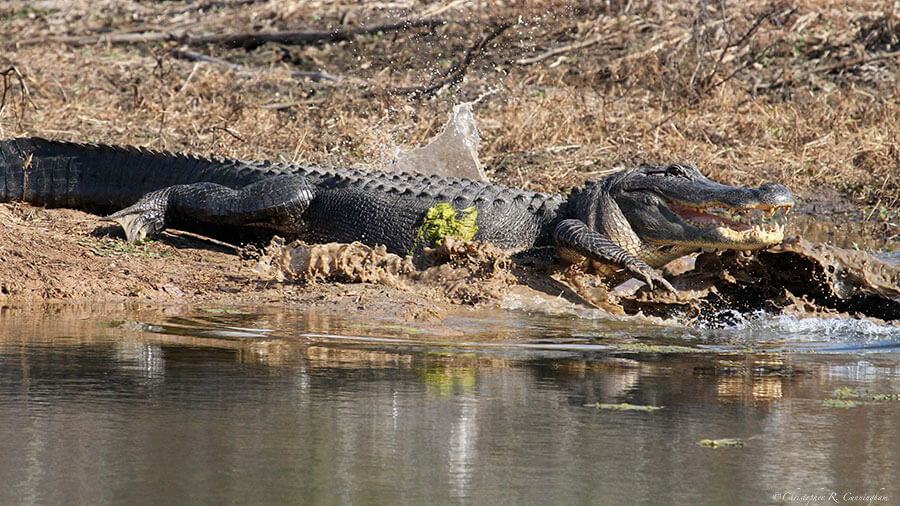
[(165, 403)]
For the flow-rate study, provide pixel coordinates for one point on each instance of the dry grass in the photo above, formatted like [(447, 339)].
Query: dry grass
[(804, 92)]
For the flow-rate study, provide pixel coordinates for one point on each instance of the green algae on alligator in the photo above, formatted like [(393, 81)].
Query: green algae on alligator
[(627, 224)]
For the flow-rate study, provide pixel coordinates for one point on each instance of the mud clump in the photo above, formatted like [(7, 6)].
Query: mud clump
[(593, 291), (332, 262), (798, 277), (467, 272)]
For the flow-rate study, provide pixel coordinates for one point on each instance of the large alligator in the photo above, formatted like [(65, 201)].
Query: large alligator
[(634, 220)]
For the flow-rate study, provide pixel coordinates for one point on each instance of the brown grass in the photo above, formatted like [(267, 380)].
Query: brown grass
[(803, 92)]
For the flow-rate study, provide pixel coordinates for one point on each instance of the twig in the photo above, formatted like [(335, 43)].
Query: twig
[(163, 103), (288, 105), (564, 49), (455, 74), (708, 79), (246, 40), (186, 54), (198, 237), (745, 38), (710, 87), (227, 131), (26, 94)]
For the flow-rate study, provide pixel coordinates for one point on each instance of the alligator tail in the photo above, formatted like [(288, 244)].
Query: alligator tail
[(101, 179)]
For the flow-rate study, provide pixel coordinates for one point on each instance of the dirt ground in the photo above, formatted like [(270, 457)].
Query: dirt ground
[(805, 93)]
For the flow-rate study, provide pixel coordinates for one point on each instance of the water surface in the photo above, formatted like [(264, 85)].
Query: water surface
[(253, 405)]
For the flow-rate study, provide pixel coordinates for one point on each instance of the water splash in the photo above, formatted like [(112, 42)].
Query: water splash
[(792, 330), (453, 153)]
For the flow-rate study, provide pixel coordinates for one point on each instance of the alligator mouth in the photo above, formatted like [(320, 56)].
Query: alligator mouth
[(757, 225)]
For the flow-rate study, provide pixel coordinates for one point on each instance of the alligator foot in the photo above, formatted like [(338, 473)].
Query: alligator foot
[(573, 235), (144, 219)]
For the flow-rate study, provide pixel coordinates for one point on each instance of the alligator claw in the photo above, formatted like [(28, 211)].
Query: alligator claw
[(650, 276), (138, 223), (668, 286)]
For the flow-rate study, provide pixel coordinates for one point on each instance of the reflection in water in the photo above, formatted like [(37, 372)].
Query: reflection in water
[(186, 405)]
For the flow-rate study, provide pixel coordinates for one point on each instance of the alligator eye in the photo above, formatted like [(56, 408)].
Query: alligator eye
[(676, 171)]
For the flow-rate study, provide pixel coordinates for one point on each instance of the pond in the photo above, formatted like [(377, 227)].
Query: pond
[(250, 405)]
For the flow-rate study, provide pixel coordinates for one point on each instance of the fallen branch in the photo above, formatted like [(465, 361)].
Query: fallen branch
[(455, 74), (246, 40), (853, 63), (186, 54)]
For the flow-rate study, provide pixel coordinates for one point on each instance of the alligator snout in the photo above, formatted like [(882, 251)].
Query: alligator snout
[(774, 196)]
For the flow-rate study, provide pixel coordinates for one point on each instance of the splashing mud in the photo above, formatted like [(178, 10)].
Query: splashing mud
[(462, 272), (797, 279), (353, 263)]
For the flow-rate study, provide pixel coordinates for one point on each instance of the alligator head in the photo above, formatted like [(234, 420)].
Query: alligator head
[(677, 205), (651, 215)]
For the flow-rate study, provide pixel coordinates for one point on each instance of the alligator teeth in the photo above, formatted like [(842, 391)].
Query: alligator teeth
[(762, 220)]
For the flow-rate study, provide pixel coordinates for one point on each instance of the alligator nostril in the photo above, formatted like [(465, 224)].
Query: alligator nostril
[(775, 194)]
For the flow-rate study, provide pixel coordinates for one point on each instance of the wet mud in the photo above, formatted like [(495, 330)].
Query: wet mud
[(52, 255), (798, 277)]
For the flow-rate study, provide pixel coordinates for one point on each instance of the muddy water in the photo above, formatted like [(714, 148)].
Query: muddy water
[(253, 405)]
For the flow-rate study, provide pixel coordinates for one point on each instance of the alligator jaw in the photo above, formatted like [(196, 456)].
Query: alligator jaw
[(725, 226)]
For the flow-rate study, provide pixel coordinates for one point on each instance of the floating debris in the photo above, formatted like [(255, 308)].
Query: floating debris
[(721, 443), (624, 407), (842, 403), (864, 393), (848, 398)]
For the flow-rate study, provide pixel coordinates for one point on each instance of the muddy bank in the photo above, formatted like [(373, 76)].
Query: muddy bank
[(798, 277), (53, 255), (62, 255)]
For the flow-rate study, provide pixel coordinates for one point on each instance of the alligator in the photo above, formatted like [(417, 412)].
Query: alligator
[(627, 224)]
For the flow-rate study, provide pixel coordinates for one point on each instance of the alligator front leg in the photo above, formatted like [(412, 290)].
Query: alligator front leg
[(577, 236), (276, 203)]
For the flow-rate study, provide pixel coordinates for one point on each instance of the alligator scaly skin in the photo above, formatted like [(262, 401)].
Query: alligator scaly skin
[(349, 204)]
